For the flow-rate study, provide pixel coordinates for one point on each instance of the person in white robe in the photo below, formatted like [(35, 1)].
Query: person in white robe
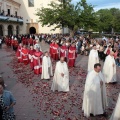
[(109, 68), (93, 58), (116, 112), (46, 67), (61, 77), (94, 98)]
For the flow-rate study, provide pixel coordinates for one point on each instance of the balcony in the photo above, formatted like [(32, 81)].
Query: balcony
[(11, 19)]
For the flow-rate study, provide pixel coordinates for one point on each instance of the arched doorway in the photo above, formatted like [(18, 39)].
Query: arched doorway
[(32, 30), (10, 30), (1, 30), (17, 30)]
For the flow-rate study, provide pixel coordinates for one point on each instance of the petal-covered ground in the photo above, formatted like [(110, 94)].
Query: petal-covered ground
[(58, 105)]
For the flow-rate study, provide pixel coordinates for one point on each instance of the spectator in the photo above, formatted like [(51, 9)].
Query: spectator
[(7, 102)]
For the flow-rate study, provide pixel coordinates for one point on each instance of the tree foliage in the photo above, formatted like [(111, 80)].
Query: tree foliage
[(65, 14), (108, 20)]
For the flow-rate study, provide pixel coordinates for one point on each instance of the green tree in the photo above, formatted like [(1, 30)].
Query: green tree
[(65, 14), (108, 20)]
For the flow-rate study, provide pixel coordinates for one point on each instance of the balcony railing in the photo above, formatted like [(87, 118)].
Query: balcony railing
[(10, 19)]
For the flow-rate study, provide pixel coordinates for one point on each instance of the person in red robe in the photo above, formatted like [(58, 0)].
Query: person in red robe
[(37, 61), (31, 41), (72, 55), (64, 51), (51, 49), (23, 41), (9, 42), (31, 53), (15, 44), (24, 53), (55, 51), (18, 53)]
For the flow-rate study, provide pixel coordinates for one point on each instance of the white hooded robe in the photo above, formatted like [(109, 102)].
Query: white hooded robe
[(93, 59), (116, 112), (46, 68), (94, 100), (61, 83), (109, 71)]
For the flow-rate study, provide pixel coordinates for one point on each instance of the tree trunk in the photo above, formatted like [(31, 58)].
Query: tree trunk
[(72, 33)]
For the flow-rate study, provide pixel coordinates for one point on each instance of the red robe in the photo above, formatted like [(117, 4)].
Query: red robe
[(9, 42), (12, 42), (71, 56), (51, 49), (15, 43), (63, 51), (31, 53), (55, 52), (37, 61), (31, 41), (23, 41), (25, 58), (18, 54)]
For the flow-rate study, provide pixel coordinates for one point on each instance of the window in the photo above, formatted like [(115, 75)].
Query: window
[(31, 3), (16, 13), (8, 11)]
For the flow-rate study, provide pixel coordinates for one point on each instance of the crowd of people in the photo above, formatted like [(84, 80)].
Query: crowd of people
[(64, 49)]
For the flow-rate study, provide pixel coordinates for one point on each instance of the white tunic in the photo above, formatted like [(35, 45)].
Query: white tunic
[(116, 112), (46, 68), (93, 59), (94, 100), (61, 83), (108, 70)]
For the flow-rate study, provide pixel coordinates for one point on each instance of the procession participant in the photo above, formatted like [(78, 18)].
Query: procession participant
[(37, 61), (116, 112), (46, 67), (94, 99), (24, 53), (23, 41), (107, 51), (37, 45), (31, 41), (15, 44), (31, 53), (12, 42), (64, 51), (109, 68), (72, 55), (93, 58), (61, 77), (18, 53), (9, 42), (7, 101), (51, 48), (56, 51)]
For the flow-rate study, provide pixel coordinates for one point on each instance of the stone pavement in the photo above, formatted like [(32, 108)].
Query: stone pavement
[(35, 100)]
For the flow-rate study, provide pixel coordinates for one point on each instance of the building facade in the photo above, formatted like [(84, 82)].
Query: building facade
[(18, 17), (10, 20)]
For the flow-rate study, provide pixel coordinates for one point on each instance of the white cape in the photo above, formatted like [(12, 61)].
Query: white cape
[(46, 68), (116, 112), (108, 70), (93, 59), (61, 83), (95, 99)]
